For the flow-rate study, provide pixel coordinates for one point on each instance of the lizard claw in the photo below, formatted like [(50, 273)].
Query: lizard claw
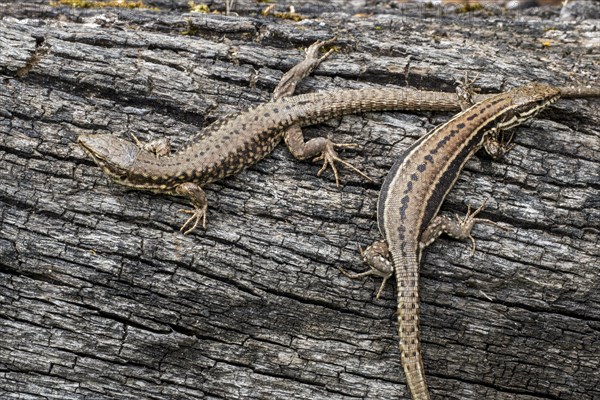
[(198, 200), (376, 256), (371, 271), (313, 50), (330, 157), (197, 215), (498, 143), (467, 222), (466, 91)]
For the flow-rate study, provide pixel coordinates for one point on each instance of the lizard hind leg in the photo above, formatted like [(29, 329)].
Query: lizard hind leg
[(330, 157), (377, 257), (321, 149), (317, 148), (289, 80)]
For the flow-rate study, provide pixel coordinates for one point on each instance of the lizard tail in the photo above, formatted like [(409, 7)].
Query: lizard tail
[(407, 277)]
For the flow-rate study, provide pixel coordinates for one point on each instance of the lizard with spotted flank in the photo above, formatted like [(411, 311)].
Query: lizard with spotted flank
[(238, 141), (231, 144)]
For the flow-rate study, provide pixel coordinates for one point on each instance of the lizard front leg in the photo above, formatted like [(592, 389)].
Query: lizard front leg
[(457, 229), (377, 256), (159, 147), (162, 148), (198, 199), (289, 80), (318, 148), (497, 143)]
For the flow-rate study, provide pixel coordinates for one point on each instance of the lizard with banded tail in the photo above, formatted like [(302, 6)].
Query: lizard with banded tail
[(238, 141), (231, 144), (414, 190)]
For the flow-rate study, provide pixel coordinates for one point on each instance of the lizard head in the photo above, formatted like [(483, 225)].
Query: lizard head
[(530, 99), (522, 103), (114, 155)]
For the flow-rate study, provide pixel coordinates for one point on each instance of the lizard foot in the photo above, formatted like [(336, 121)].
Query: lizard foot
[(376, 256), (466, 91), (459, 228), (330, 157), (466, 223), (192, 222), (312, 53), (198, 200), (288, 82), (497, 144), (158, 147)]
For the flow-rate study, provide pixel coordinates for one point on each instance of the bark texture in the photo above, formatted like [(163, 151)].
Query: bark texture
[(101, 297)]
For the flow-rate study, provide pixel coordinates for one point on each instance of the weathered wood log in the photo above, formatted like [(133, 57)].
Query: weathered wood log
[(102, 298)]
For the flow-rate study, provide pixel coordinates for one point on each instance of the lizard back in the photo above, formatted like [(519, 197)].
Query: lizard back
[(416, 187), (231, 144)]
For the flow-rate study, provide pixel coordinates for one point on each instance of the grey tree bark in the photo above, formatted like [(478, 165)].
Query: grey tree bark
[(101, 297)]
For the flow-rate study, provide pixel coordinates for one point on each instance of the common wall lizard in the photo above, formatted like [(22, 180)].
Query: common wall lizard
[(416, 187), (236, 142), (233, 143), (410, 197)]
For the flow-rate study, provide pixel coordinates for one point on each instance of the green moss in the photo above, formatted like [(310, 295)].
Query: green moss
[(199, 8), (99, 4), (469, 8), (288, 15), (192, 30)]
